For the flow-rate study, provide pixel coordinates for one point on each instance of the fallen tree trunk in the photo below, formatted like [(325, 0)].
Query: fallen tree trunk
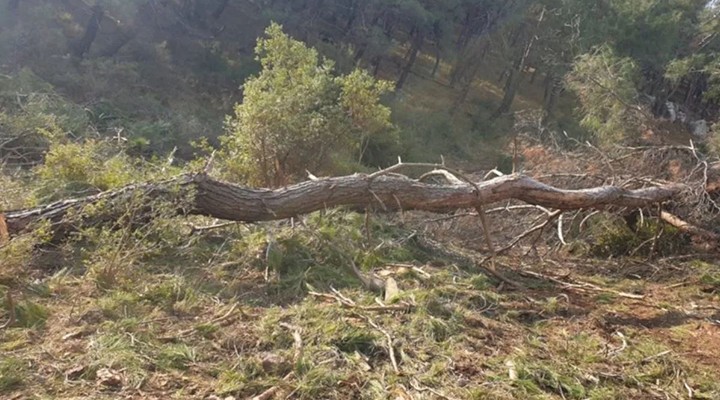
[(384, 190)]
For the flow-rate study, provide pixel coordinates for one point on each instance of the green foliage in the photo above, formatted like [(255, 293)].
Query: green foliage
[(297, 116), (118, 351), (72, 168), (142, 229), (176, 356), (613, 238), (13, 372), (30, 314), (32, 116), (19, 253), (670, 24), (605, 85)]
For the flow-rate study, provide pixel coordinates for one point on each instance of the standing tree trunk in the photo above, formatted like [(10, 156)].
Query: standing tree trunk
[(458, 70), (438, 57), (220, 9), (417, 41), (553, 87), (511, 87), (351, 19), (81, 47), (376, 61), (515, 76), (128, 32), (466, 89)]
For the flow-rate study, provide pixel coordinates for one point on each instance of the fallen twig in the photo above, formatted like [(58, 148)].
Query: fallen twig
[(527, 233), (687, 227), (217, 320), (389, 338), (268, 394), (344, 303), (411, 267), (414, 383), (297, 356), (658, 355), (201, 229), (582, 285)]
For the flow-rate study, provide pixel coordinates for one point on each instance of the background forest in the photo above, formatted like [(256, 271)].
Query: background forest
[(96, 95)]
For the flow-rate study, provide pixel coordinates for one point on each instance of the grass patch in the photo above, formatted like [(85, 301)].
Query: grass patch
[(453, 332), (13, 373), (612, 237), (29, 314), (119, 351), (176, 356)]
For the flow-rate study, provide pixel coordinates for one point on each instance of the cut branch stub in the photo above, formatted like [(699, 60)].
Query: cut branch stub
[(228, 201)]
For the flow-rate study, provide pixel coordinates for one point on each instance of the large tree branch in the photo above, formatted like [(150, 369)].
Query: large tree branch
[(389, 191)]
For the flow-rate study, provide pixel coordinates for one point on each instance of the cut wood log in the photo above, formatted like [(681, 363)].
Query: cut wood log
[(214, 198)]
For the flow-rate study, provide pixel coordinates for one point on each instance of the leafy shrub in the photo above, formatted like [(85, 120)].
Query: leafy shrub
[(297, 116), (73, 168), (613, 238), (605, 85)]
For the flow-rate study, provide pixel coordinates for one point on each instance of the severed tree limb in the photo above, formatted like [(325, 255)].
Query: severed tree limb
[(222, 200), (687, 227)]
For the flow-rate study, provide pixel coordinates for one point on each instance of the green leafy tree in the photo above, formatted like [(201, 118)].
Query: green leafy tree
[(297, 116), (606, 86)]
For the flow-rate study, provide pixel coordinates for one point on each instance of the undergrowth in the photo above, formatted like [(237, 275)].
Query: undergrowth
[(162, 309)]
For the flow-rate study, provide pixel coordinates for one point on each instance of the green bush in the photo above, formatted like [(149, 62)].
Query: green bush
[(613, 238), (296, 116)]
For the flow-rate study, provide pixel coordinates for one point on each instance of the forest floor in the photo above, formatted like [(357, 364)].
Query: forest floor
[(578, 328), (208, 325)]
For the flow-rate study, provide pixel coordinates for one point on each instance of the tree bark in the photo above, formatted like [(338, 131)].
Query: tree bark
[(13, 5), (385, 191)]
